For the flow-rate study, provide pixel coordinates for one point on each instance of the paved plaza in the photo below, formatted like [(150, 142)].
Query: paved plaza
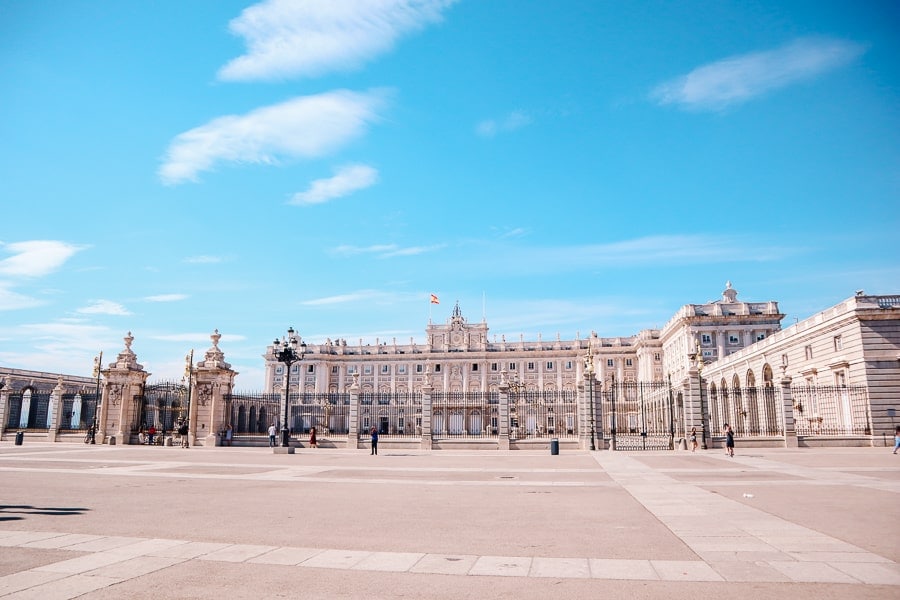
[(166, 522)]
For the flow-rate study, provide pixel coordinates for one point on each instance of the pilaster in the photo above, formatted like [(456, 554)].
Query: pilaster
[(503, 414), (427, 439), (4, 406), (213, 382), (353, 425), (123, 383)]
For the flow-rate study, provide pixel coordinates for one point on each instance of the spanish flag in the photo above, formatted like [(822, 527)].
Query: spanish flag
[(434, 299)]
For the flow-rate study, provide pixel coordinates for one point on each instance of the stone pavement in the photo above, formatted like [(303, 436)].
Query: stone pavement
[(136, 522)]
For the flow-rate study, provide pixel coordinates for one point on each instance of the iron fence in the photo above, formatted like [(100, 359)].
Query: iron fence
[(29, 411), (831, 410), (751, 411), (251, 414), (78, 411), (637, 415), (392, 415), (465, 414), (539, 414)]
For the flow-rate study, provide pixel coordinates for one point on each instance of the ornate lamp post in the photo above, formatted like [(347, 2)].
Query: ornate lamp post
[(697, 356), (98, 363), (589, 375), (287, 351)]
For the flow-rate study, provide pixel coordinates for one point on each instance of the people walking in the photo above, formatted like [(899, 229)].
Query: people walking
[(272, 433), (229, 433), (151, 431), (729, 440), (312, 438), (693, 438), (896, 438), (374, 441)]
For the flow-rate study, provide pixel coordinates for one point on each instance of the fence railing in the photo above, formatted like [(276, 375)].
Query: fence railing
[(831, 410), (750, 411)]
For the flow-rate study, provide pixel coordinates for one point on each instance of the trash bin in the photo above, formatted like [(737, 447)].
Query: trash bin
[(20, 437), (554, 446)]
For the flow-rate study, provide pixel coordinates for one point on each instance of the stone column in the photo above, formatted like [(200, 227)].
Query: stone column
[(4, 405), (213, 382), (55, 408), (124, 382), (353, 425), (584, 415), (694, 407), (787, 406), (427, 439), (503, 415)]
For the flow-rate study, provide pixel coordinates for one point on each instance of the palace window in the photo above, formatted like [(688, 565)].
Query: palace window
[(385, 369), (494, 366), (733, 339), (657, 357), (705, 338), (838, 343), (367, 370), (531, 366), (628, 362), (310, 368), (512, 366), (420, 368), (549, 365), (474, 367), (568, 365), (760, 337), (279, 370), (401, 369), (437, 368), (610, 362), (809, 353), (334, 369)]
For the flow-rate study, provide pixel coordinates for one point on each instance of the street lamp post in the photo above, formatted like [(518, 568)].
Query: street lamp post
[(287, 351), (589, 374), (698, 356), (186, 419)]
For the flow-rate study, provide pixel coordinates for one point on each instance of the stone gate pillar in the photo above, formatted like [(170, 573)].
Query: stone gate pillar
[(4, 405), (353, 425), (55, 408), (696, 412), (123, 387), (427, 439), (787, 407), (213, 382), (503, 414)]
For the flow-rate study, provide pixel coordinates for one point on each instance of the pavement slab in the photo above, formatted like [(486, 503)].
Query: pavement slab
[(446, 524)]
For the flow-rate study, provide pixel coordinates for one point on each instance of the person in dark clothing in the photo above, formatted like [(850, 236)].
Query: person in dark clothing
[(374, 441), (729, 440)]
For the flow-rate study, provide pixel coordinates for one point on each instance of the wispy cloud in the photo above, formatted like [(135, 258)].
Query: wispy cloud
[(366, 295), (346, 180), (104, 307), (304, 127), (36, 258), (511, 122), (166, 298), (286, 38), (10, 300), (385, 250), (196, 338), (203, 259), (740, 78)]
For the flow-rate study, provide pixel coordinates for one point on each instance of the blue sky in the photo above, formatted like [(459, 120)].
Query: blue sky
[(170, 168)]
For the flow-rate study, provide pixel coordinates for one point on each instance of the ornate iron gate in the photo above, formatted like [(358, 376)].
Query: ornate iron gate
[(162, 405)]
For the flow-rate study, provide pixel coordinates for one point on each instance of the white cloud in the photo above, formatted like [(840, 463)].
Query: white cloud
[(346, 180), (740, 78), (166, 298), (10, 300), (203, 259), (303, 127), (511, 122), (365, 295), (197, 338), (385, 250), (36, 258), (104, 307), (286, 38)]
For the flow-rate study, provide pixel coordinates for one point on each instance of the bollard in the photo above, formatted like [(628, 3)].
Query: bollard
[(20, 437), (554, 446)]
